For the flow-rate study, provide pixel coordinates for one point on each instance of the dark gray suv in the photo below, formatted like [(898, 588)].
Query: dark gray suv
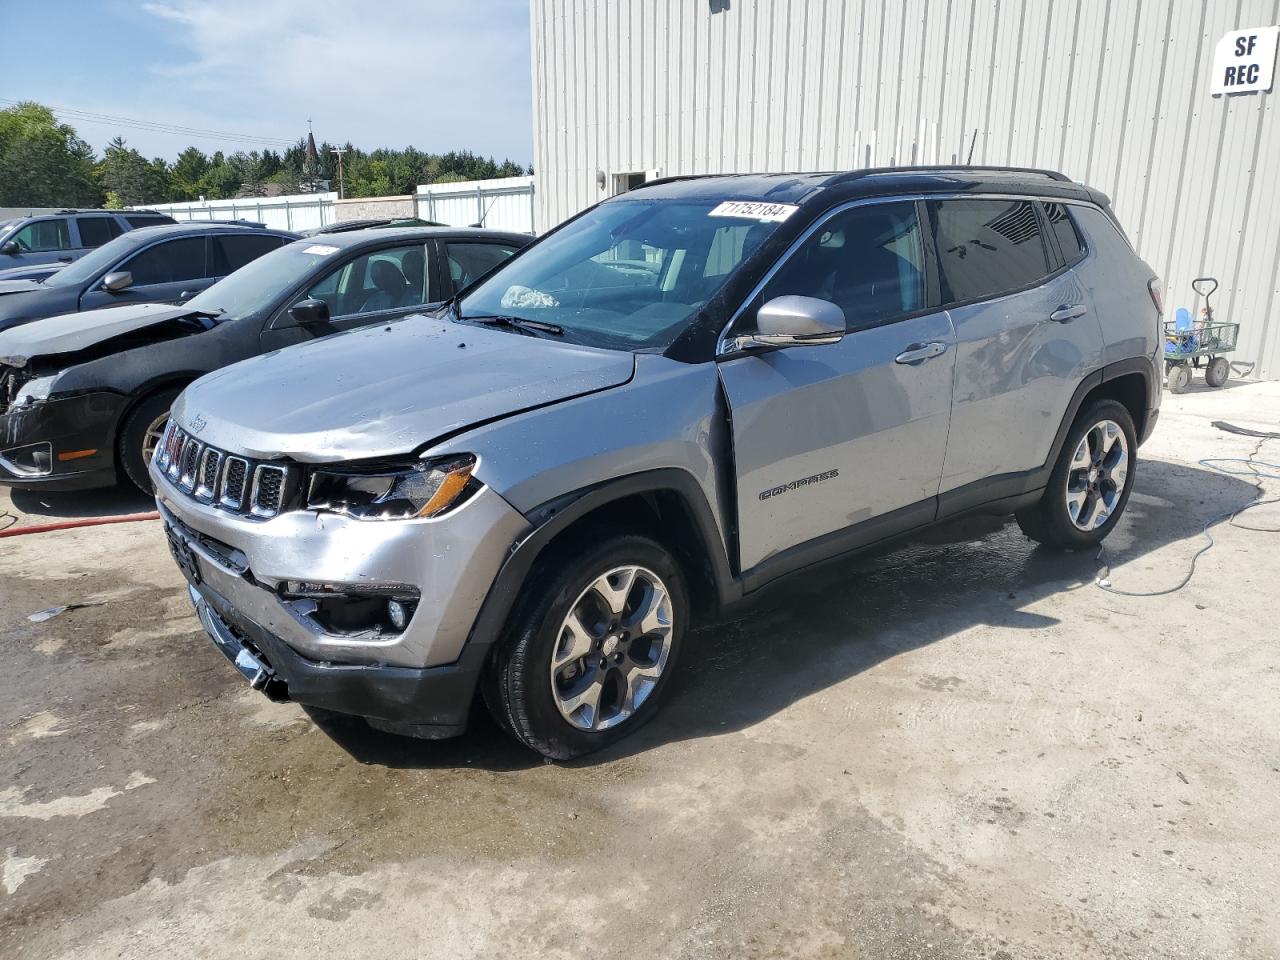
[(676, 398), (36, 246)]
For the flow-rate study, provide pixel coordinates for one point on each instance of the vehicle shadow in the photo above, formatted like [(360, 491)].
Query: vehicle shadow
[(108, 502), (824, 627)]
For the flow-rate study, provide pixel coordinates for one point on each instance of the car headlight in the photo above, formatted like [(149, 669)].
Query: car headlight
[(424, 489), (33, 390)]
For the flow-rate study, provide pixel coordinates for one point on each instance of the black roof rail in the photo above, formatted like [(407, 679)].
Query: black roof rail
[(959, 168)]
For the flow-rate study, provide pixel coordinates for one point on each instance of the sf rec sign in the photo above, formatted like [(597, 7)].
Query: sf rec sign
[(1244, 61)]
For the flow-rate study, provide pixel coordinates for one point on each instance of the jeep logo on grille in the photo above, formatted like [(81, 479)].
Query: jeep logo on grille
[(197, 423)]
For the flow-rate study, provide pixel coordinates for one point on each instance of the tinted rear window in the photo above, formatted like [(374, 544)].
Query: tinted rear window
[(986, 247), (172, 261), (1064, 230), (95, 231), (232, 253), (149, 220)]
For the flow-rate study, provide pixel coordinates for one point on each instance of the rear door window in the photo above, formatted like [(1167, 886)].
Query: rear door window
[(471, 261), (986, 248), (1064, 231), (173, 261), (42, 236), (152, 220), (95, 231), (230, 253)]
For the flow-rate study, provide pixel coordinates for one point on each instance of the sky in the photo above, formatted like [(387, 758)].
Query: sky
[(435, 74)]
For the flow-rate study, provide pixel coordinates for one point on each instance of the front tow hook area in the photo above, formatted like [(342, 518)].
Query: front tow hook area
[(252, 668)]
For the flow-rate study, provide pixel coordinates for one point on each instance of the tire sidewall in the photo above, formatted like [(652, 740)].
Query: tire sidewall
[(532, 711), (1067, 533), (133, 432)]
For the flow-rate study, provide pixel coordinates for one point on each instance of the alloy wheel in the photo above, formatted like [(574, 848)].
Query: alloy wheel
[(1097, 475), (612, 648), (151, 439)]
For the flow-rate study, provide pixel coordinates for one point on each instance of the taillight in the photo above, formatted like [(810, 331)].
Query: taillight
[(1155, 287)]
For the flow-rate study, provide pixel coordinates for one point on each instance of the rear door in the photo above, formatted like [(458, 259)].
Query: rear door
[(843, 441), (93, 230), (1026, 335), (162, 273)]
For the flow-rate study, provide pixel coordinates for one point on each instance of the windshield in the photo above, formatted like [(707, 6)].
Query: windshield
[(628, 275), (259, 283), (93, 262)]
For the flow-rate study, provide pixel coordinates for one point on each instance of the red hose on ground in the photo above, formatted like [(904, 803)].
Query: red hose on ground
[(82, 522)]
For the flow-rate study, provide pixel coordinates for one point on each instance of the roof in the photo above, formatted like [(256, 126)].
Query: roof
[(372, 235), (145, 234), (874, 181)]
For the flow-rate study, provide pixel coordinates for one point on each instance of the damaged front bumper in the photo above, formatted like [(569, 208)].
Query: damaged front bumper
[(247, 574), (65, 443)]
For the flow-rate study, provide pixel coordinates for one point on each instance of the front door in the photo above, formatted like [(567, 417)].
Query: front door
[(844, 441)]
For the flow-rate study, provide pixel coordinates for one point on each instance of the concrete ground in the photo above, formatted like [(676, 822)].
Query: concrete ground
[(959, 750)]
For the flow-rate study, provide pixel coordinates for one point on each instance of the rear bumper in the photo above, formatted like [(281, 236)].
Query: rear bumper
[(430, 702), (71, 425)]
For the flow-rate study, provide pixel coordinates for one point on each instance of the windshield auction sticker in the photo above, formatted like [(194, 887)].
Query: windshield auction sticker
[(754, 210), (320, 249)]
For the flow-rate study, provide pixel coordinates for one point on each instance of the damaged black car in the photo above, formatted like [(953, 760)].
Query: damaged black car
[(84, 397)]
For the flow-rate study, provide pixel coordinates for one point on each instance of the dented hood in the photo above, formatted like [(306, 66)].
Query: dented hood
[(71, 332), (18, 286), (387, 390)]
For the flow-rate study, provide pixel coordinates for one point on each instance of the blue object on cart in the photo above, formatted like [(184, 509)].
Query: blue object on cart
[(1182, 321), (1183, 341)]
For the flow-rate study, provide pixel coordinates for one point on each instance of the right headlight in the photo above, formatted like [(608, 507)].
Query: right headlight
[(424, 489)]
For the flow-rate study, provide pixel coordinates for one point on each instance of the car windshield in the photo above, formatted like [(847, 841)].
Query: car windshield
[(628, 275), (94, 262), (259, 283)]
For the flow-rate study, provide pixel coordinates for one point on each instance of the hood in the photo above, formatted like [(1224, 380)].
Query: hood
[(73, 332), (18, 286), (387, 390)]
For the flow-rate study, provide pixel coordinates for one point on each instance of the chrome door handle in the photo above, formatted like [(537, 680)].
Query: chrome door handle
[(1068, 312), (920, 352)]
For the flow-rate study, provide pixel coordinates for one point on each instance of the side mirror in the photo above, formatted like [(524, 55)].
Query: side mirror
[(310, 313), (117, 281), (793, 322), (10, 247)]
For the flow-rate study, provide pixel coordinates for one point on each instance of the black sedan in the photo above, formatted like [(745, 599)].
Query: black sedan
[(168, 264), (84, 397)]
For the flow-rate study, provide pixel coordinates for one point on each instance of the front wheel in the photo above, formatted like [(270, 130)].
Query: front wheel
[(1091, 482), (140, 433), (1178, 378), (592, 647)]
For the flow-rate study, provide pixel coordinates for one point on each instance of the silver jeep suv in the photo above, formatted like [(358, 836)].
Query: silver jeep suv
[(636, 423)]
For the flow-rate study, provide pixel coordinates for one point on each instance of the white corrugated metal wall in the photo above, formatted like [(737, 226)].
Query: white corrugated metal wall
[(1111, 92)]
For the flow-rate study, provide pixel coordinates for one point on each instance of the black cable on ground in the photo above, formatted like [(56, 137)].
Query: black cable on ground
[(1103, 581)]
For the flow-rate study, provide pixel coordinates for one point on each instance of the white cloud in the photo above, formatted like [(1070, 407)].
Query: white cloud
[(436, 74)]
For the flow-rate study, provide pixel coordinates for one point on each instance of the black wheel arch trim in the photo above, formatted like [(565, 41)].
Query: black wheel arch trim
[(555, 516)]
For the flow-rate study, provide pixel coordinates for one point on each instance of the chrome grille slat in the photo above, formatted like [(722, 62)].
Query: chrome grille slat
[(207, 476)]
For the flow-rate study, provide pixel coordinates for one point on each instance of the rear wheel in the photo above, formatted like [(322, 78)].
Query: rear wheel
[(1091, 482), (140, 434), (592, 647), (1178, 378), (1216, 374)]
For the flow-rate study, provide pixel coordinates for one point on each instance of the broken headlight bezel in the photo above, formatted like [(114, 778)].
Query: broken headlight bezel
[(421, 490), (33, 391)]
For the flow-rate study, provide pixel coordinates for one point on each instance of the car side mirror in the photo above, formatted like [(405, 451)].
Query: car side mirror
[(793, 321), (310, 313), (118, 281), (10, 247)]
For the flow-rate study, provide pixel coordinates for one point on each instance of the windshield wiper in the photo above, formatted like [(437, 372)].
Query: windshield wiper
[(518, 323)]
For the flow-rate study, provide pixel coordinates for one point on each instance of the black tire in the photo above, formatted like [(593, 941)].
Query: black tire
[(517, 685), (1216, 374), (1049, 520), (131, 440), (1178, 378)]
